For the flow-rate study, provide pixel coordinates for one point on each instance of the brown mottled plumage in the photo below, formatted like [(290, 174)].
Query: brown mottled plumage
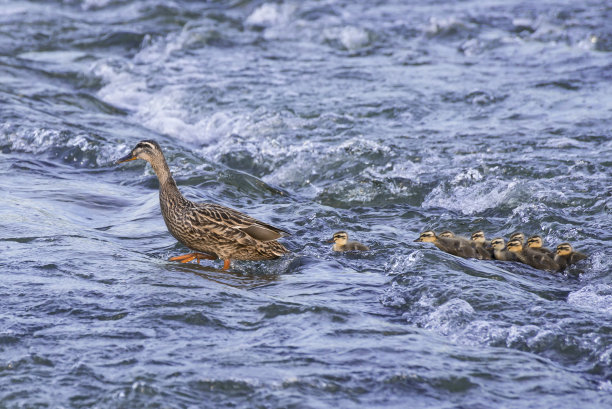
[(212, 229)]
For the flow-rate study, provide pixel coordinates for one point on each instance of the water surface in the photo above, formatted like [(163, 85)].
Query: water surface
[(380, 118)]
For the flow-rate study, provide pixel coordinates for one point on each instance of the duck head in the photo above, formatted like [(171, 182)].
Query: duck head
[(340, 238), (515, 245), (534, 242), (145, 150), (498, 243), (518, 235), (564, 249), (478, 237), (427, 236)]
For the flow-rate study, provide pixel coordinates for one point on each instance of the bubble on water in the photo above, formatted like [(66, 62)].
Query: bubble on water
[(445, 26), (481, 332), (518, 334), (95, 4), (450, 316), (353, 38), (271, 14), (395, 296), (596, 297), (605, 386), (398, 264)]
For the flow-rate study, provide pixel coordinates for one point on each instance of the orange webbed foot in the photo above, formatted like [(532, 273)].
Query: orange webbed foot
[(226, 264), (186, 258)]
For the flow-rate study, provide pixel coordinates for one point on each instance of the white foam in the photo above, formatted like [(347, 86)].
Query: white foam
[(266, 15), (353, 38), (471, 199), (450, 316), (95, 4), (57, 57), (398, 264), (597, 297)]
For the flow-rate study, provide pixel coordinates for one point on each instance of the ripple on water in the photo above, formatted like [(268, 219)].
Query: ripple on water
[(596, 297)]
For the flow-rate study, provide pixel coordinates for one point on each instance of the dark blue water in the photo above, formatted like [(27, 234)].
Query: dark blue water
[(380, 118)]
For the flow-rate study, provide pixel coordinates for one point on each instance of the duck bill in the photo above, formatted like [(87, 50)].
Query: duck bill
[(419, 239), (126, 158), (329, 241)]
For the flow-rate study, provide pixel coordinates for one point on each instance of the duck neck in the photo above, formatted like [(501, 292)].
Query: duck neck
[(166, 181)]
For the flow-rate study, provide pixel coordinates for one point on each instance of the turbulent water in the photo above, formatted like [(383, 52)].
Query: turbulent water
[(383, 119)]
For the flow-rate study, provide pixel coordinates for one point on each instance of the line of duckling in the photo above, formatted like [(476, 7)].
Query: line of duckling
[(212, 231), (534, 254)]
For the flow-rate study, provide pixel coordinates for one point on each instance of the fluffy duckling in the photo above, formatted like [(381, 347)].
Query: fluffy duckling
[(500, 252), (518, 235), (535, 244), (480, 244), (342, 243), (566, 255), (531, 257), (447, 233), (451, 245)]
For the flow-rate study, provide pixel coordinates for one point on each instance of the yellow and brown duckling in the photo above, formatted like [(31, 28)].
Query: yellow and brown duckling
[(565, 255), (530, 257), (342, 243), (451, 245), (211, 230), (535, 243), (480, 244), (518, 235), (500, 252)]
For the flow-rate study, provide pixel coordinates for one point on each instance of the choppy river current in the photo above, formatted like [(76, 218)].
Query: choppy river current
[(381, 118)]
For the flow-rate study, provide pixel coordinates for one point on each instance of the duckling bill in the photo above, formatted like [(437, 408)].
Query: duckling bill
[(211, 230), (342, 243)]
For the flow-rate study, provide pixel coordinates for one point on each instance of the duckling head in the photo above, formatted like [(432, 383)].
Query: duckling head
[(564, 249), (518, 235), (447, 234), (478, 237), (146, 150), (515, 246), (534, 242), (340, 238), (498, 243), (427, 236)]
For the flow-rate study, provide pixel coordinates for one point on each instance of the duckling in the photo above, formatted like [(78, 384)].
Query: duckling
[(518, 235), (500, 252), (566, 255), (482, 247), (535, 244), (212, 230), (530, 257), (451, 245), (342, 243), (447, 233)]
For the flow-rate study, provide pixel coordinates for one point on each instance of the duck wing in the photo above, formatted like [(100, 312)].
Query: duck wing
[(232, 218)]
